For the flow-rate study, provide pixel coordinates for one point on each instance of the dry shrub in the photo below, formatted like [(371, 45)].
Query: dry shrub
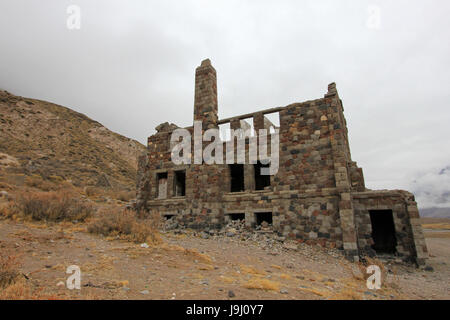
[(8, 210), (9, 265), (127, 225), (36, 181), (22, 289), (19, 290), (53, 206), (125, 195), (93, 191), (262, 284)]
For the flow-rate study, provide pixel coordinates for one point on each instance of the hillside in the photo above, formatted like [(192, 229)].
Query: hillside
[(46, 141)]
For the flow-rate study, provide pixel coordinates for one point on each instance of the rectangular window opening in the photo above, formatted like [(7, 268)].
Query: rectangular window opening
[(261, 181), (262, 217), (162, 185), (237, 216), (237, 177), (179, 184)]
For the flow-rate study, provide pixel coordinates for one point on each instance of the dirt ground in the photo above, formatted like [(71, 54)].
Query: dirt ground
[(189, 267)]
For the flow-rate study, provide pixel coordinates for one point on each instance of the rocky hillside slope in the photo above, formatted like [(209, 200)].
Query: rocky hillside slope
[(51, 142)]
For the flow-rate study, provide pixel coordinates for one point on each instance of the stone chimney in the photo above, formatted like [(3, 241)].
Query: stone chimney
[(205, 101)]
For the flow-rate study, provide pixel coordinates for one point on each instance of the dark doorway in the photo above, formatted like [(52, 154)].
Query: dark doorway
[(383, 231), (237, 177), (261, 181), (237, 216), (180, 184), (263, 216), (169, 216)]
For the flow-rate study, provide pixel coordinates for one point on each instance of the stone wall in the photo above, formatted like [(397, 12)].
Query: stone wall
[(317, 196)]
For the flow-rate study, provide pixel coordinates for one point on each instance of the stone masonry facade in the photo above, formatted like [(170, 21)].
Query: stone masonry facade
[(318, 195)]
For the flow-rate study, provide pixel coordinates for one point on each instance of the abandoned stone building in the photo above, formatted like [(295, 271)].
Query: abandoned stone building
[(318, 195)]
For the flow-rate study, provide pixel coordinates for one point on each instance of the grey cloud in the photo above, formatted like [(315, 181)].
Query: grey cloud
[(131, 67)]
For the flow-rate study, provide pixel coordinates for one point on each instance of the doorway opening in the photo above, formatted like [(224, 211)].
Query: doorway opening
[(383, 231)]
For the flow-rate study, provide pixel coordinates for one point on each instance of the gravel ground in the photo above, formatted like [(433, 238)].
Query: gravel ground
[(195, 266)]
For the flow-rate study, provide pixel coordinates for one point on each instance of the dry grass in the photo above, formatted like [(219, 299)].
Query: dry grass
[(262, 284), (192, 253), (118, 194), (18, 290), (15, 286), (125, 195), (251, 270), (436, 226), (51, 183), (440, 235), (227, 280), (126, 225), (93, 191), (9, 264), (50, 206), (285, 276)]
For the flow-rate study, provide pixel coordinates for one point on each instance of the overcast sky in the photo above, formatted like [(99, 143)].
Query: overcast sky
[(131, 66)]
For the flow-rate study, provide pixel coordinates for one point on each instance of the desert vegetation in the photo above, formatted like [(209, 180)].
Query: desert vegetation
[(9, 264), (126, 224), (53, 206)]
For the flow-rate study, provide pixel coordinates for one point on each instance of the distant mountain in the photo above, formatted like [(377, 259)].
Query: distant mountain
[(435, 212), (43, 139)]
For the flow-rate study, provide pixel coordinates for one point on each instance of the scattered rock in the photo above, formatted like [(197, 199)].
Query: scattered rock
[(284, 291), (290, 246), (369, 293), (429, 268), (60, 284), (204, 282), (204, 235), (144, 245), (231, 294), (145, 292)]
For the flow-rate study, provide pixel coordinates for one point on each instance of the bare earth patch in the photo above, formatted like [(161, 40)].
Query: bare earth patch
[(188, 267)]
